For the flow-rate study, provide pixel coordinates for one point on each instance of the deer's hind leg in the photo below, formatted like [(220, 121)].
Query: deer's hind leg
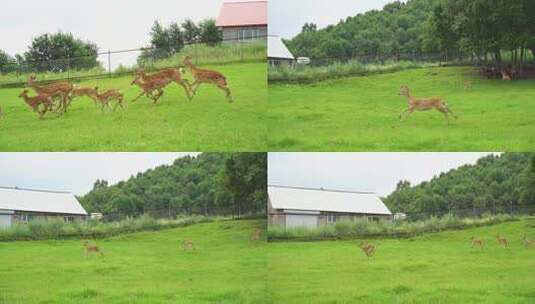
[(185, 84)]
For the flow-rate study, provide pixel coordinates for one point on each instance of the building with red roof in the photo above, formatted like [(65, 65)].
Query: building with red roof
[(243, 20)]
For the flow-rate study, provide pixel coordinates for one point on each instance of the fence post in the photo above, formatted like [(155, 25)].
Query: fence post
[(68, 67), (241, 50), (109, 63)]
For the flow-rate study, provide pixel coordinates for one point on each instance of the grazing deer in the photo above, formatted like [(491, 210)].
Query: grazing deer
[(467, 85), (424, 105), (84, 91), (477, 242), (527, 241), (169, 74), (106, 98), (60, 89), (368, 249), (206, 76), (92, 248), (257, 232), (36, 101), (502, 241), (151, 87), (187, 245)]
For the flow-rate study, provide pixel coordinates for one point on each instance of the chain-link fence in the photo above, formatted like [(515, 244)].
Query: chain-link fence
[(113, 63), (475, 212)]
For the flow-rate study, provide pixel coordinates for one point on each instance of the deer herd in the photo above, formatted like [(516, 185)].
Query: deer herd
[(58, 96)]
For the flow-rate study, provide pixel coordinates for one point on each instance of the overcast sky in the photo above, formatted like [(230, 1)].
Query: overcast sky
[(378, 172), (286, 17), (112, 24), (75, 172)]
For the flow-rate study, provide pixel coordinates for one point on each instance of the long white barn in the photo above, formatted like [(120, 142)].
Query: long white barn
[(292, 207), (18, 205)]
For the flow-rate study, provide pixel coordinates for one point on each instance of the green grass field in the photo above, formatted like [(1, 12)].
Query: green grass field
[(362, 114), (149, 267), (208, 123), (435, 268)]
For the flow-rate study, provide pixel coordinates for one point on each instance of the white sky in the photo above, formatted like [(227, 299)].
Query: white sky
[(112, 24), (378, 172), (75, 172), (286, 17)]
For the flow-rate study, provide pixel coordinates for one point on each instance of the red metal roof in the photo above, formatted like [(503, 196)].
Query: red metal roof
[(244, 13)]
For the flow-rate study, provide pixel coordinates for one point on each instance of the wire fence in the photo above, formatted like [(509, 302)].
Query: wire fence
[(116, 63), (475, 212)]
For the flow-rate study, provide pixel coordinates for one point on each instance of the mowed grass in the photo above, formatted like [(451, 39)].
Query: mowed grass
[(362, 113), (208, 123), (151, 267), (435, 268)]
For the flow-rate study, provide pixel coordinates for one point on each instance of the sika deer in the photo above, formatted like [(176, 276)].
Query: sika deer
[(106, 98), (187, 245), (502, 241), (92, 248), (149, 88), (477, 242), (424, 105), (60, 89), (527, 241), (169, 74), (207, 76), (257, 232), (84, 91), (36, 101), (368, 249)]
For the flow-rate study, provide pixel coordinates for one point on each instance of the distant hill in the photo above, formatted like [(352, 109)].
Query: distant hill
[(209, 184), (499, 182), (397, 28)]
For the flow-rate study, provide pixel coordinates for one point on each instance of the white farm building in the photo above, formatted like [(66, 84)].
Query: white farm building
[(278, 52), (293, 207), (19, 205)]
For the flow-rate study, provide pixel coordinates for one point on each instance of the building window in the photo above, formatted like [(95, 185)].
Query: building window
[(23, 218), (331, 218), (68, 219), (373, 219), (248, 34)]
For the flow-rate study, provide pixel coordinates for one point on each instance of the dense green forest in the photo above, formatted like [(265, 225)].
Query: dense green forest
[(209, 184), (496, 183), (482, 29)]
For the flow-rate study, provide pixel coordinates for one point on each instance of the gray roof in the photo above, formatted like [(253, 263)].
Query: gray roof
[(44, 201), (295, 198), (277, 49)]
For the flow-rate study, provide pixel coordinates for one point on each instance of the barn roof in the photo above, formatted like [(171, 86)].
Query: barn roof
[(243, 13), (44, 201), (295, 198), (277, 49)]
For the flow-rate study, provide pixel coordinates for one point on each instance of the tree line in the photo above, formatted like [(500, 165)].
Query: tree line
[(500, 183), (486, 30), (58, 52), (208, 184)]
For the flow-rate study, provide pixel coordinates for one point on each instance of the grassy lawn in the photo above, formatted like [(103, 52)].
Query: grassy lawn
[(150, 267), (208, 123), (362, 114), (435, 268)]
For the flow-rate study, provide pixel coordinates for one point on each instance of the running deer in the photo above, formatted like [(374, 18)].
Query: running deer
[(424, 105), (36, 101), (477, 242), (207, 76), (527, 241), (502, 240), (257, 232), (105, 99), (60, 89), (92, 249), (84, 91), (170, 74), (368, 249), (187, 245), (151, 87)]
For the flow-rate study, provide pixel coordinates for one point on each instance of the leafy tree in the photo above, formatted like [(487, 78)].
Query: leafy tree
[(59, 52), (191, 31), (6, 62), (209, 33)]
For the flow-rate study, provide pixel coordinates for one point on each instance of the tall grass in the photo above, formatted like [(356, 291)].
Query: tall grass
[(57, 229), (308, 74), (388, 229)]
